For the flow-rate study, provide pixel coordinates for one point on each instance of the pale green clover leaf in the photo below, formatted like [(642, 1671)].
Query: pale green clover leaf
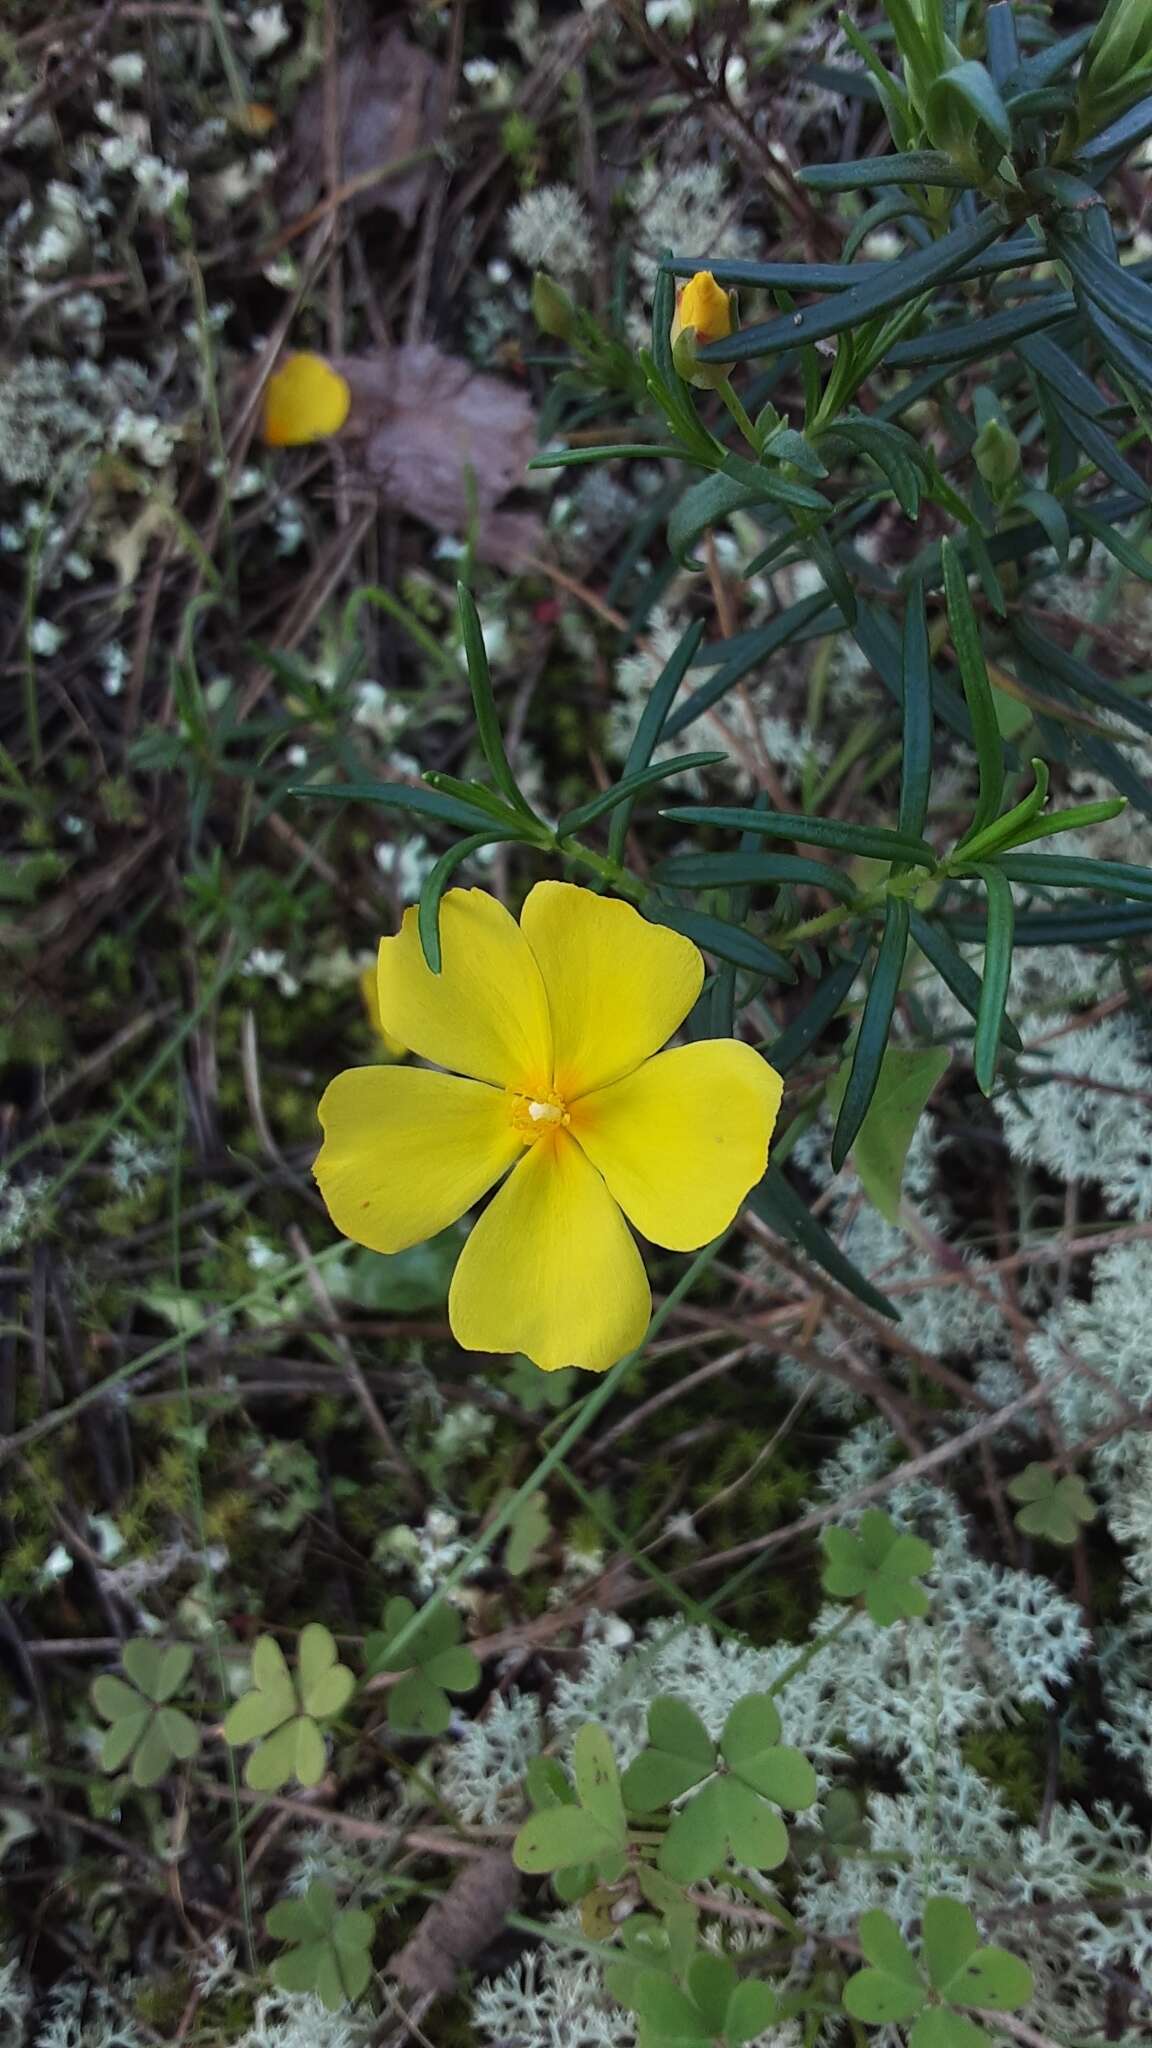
[(143, 1725), (880, 1563), (581, 1825), (434, 1663), (332, 1947), (282, 1715), (1054, 1507), (954, 1969), (741, 1786)]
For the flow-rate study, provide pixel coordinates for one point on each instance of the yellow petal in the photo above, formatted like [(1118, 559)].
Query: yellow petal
[(370, 994), (681, 1141), (304, 400), (704, 305), (617, 985), (405, 1152), (485, 1013), (551, 1267)]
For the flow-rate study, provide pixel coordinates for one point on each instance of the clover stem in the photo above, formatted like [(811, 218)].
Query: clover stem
[(813, 1649)]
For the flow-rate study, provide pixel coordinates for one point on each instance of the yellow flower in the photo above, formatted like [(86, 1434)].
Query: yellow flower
[(704, 306), (370, 992), (557, 1022), (304, 400)]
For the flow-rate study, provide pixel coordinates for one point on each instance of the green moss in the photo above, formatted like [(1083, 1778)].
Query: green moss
[(1014, 1759)]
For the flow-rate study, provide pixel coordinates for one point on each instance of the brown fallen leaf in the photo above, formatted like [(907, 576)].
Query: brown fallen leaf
[(459, 1926), (392, 102), (438, 437)]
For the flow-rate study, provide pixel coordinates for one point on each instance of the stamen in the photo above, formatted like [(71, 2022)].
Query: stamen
[(545, 1112)]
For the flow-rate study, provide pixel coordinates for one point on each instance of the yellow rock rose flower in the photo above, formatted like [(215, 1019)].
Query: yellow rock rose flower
[(304, 400), (552, 1031)]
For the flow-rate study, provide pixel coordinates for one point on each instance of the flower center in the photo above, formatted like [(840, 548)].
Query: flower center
[(532, 1116)]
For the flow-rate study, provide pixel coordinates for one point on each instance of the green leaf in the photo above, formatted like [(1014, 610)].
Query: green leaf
[(894, 286), (456, 1670), (158, 1669), (555, 1837), (752, 2008), (971, 84), (400, 796), (696, 1843), (868, 173), (715, 498), (122, 1737), (959, 341), (955, 973), (974, 676), (916, 676), (734, 658), (273, 1761), (668, 2017), (940, 2028), (874, 842), (734, 870), (317, 1666), (527, 1534), (416, 1703), (546, 1783), (875, 1024), (778, 1205), (879, 1563), (1054, 1508), (680, 1753), (883, 1945), (179, 1732), (152, 1756), (892, 1989), (484, 703), (114, 1701), (650, 727), (822, 1005), (725, 941), (629, 788), (756, 1833), (961, 1970), (332, 1956), (309, 1755), (906, 1081), (753, 1726), (997, 970), (949, 1938), (597, 1780), (711, 1980), (436, 882)]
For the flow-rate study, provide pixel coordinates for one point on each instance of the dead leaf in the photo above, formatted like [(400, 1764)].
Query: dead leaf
[(392, 102), (435, 435), (459, 1926)]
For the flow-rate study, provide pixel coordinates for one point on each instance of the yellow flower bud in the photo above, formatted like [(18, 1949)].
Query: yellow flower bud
[(704, 313), (704, 305), (553, 309), (304, 400)]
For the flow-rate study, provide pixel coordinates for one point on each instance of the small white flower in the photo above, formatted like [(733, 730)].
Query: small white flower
[(44, 637), (267, 29), (127, 69), (549, 229), (116, 662)]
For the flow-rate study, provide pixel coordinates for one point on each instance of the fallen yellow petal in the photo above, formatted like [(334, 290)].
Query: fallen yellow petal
[(304, 400)]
